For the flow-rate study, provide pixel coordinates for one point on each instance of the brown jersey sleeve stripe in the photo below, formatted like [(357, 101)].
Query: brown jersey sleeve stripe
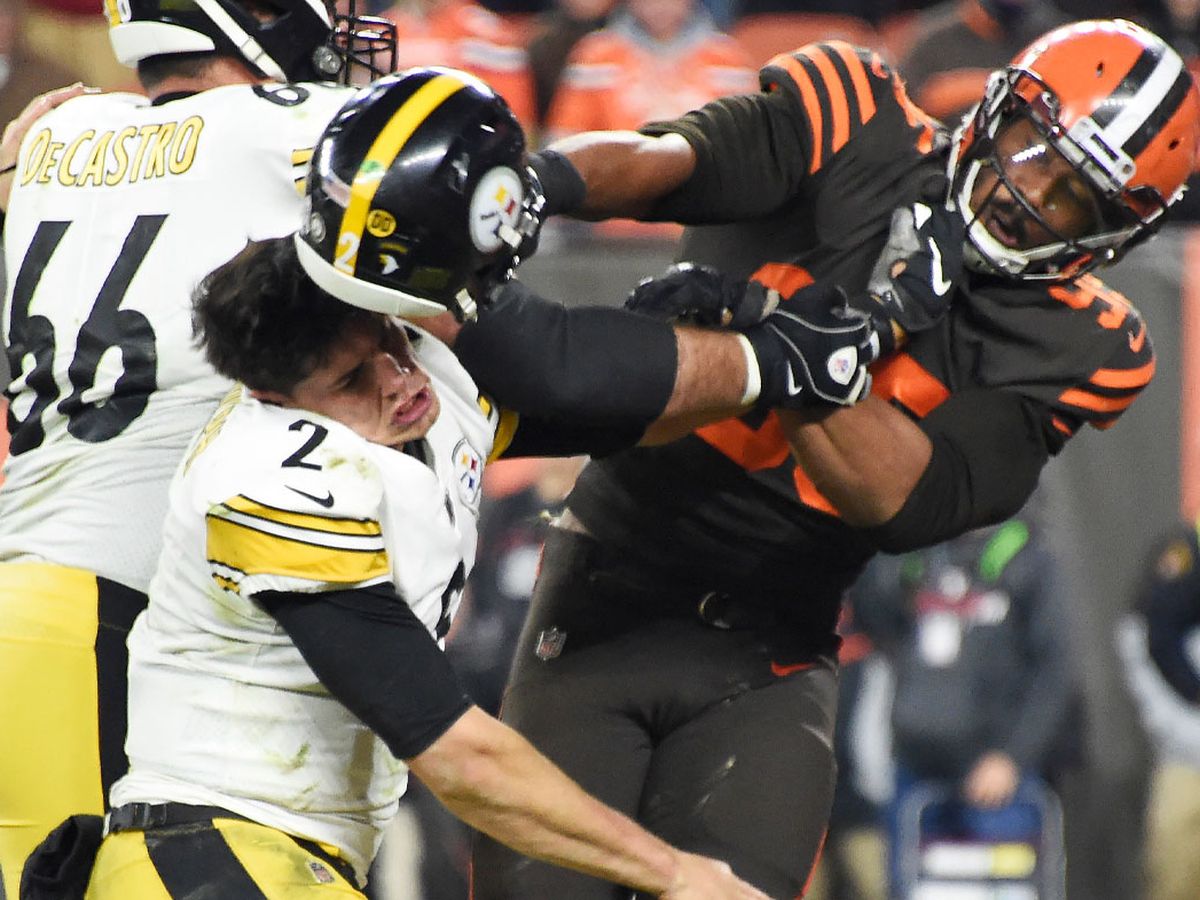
[(1092, 403), (812, 105), (856, 71), (1062, 426), (1124, 379), (839, 102)]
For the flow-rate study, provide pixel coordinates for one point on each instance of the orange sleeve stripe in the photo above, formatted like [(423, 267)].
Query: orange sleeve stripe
[(839, 105), (1125, 378), (752, 449), (783, 277), (905, 380), (1062, 426), (812, 107), (1084, 400), (858, 76)]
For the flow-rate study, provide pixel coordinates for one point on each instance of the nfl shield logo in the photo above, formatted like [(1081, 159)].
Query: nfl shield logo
[(468, 469), (550, 643)]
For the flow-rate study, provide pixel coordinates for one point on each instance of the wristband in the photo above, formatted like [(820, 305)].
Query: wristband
[(753, 376), (562, 185)]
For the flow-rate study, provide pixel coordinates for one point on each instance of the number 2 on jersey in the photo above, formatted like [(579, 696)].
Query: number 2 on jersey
[(32, 346)]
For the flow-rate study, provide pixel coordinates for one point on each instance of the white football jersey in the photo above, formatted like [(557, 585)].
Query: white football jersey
[(223, 710), (119, 208)]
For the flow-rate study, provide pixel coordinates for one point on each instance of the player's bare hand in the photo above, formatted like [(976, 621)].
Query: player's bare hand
[(702, 878), (992, 781), (15, 131)]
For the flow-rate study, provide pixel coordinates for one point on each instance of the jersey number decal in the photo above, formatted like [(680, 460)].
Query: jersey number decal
[(296, 460), (89, 418), (452, 591)]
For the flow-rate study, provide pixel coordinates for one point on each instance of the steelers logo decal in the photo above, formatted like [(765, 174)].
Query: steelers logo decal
[(495, 204), (380, 223), (468, 469)]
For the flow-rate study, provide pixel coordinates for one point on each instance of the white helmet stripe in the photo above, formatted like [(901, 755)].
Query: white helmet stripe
[(1154, 89), (248, 46), (319, 7)]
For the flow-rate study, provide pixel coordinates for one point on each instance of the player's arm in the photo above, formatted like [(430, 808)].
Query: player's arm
[(16, 129), (735, 157), (601, 374), (373, 654), (972, 461)]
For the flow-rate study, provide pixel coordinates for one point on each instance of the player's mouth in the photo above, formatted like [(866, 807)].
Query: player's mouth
[(1009, 228), (411, 410)]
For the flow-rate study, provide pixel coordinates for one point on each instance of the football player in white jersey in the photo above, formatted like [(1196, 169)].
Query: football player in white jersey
[(117, 206), (287, 674)]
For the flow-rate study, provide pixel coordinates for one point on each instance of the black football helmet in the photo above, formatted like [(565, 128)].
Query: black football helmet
[(418, 197), (285, 40)]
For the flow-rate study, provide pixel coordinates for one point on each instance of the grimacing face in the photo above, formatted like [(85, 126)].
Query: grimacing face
[(371, 384), (1067, 206)]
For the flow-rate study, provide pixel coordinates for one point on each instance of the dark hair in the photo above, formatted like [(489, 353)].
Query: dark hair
[(262, 321), (154, 70)]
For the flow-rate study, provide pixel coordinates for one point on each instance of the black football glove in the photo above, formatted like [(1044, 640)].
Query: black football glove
[(701, 295), (914, 277), (814, 351)]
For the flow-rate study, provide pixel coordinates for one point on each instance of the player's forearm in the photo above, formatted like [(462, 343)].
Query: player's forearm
[(710, 381), (865, 459), (493, 779), (626, 172)]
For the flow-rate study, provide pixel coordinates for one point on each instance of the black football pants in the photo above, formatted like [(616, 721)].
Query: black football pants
[(685, 727)]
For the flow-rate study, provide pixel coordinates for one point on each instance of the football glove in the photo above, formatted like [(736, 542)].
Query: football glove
[(701, 295), (914, 277), (814, 351)]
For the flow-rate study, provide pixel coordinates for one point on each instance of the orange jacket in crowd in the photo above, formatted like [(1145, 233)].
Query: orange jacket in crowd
[(620, 77), (465, 35)]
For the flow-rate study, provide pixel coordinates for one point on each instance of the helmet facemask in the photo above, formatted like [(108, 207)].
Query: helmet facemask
[(283, 40), (1085, 216), (365, 46)]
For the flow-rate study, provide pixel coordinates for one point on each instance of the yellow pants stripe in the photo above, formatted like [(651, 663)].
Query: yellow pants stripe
[(222, 857)]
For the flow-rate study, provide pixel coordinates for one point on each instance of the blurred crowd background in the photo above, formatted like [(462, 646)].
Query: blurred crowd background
[(1046, 668)]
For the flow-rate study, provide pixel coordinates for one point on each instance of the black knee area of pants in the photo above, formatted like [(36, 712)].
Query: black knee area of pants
[(118, 607)]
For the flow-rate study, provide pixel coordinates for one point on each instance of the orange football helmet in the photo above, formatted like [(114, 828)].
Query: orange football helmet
[(1076, 151)]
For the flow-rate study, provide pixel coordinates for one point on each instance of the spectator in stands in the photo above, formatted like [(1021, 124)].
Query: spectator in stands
[(984, 697), (1160, 644), (24, 72), (959, 43), (465, 35), (656, 59), (74, 34), (554, 36)]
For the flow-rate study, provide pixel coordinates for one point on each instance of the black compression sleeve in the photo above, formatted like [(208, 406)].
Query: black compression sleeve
[(988, 451), (376, 658), (588, 365)]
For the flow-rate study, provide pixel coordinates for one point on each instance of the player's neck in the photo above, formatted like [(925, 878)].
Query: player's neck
[(219, 73)]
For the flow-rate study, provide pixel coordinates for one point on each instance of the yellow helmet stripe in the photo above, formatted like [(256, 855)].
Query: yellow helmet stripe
[(391, 139), (113, 11)]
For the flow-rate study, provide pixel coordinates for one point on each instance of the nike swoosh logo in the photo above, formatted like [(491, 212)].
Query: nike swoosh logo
[(937, 276), (1136, 342), (792, 388), (326, 501)]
